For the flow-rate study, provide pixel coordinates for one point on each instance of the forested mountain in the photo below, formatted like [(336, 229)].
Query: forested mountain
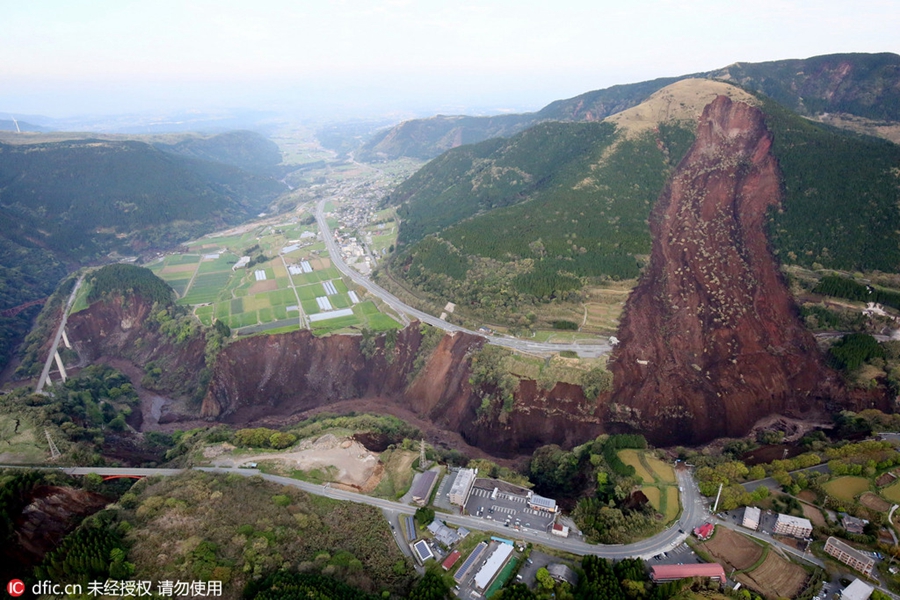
[(859, 85), (538, 215), (247, 150), (64, 203)]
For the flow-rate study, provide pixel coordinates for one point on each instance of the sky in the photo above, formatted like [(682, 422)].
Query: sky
[(374, 57)]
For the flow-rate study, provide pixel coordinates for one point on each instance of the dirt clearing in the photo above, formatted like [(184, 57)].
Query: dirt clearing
[(775, 578), (263, 286), (870, 500), (341, 461), (735, 550), (813, 514)]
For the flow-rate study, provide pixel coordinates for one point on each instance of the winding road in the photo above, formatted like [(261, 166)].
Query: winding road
[(693, 514), (587, 350)]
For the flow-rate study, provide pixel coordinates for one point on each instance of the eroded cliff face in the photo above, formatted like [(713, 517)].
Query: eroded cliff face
[(710, 338), (265, 378), (287, 374)]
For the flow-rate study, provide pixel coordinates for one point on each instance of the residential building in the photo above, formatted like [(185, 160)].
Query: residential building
[(793, 526), (852, 524), (423, 552), (705, 531), (462, 486), (674, 572), (450, 560), (751, 518), (563, 574), (849, 555)]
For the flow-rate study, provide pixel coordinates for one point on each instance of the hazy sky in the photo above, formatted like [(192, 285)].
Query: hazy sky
[(62, 58)]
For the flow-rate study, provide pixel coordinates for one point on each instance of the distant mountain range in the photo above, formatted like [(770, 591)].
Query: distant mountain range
[(862, 86)]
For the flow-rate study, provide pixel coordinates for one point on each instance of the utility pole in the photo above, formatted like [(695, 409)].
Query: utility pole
[(54, 451), (716, 506)]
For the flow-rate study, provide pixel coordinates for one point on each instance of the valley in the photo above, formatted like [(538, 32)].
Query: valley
[(628, 312)]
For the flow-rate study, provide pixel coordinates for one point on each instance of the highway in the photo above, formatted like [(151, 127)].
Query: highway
[(693, 513), (62, 326), (588, 350)]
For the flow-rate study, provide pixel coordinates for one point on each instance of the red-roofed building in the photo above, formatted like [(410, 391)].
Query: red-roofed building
[(704, 532), (676, 572), (451, 560)]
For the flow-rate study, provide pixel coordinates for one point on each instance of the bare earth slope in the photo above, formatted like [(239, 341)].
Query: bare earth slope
[(710, 340)]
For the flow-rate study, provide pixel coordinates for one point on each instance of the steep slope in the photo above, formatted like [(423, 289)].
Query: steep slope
[(862, 89), (710, 340)]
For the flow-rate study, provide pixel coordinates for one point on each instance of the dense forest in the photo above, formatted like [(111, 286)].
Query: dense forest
[(840, 196)]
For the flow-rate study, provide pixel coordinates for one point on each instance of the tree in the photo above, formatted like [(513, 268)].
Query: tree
[(544, 579), (424, 516)]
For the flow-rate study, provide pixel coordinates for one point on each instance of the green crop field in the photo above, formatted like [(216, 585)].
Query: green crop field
[(847, 488)]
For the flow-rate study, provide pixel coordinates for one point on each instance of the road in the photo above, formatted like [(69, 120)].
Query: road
[(588, 350), (62, 325), (693, 513), (774, 485)]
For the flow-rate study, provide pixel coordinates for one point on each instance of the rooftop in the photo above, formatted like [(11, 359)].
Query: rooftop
[(857, 590), (845, 547), (423, 484), (793, 521), (451, 560)]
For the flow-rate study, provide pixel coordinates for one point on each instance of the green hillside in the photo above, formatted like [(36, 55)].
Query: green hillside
[(509, 223), (243, 149), (860, 85), (68, 202), (528, 219)]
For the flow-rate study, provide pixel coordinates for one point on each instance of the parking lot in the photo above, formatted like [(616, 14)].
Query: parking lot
[(679, 555), (507, 508)]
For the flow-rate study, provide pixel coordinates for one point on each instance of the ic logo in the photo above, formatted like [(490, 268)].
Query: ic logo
[(15, 588)]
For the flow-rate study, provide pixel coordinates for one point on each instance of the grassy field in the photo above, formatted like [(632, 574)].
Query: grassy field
[(847, 488), (662, 470), (25, 446), (633, 458), (398, 474), (659, 481), (892, 492)]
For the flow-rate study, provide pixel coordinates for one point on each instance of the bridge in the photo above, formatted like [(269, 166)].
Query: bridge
[(11, 312)]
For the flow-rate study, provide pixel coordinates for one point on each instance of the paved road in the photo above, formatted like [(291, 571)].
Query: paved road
[(589, 349), (774, 485), (62, 325), (693, 514)]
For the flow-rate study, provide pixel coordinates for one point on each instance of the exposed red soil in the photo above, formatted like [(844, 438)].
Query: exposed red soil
[(710, 340)]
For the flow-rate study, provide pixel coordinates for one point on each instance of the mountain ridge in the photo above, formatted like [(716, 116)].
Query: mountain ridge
[(861, 85)]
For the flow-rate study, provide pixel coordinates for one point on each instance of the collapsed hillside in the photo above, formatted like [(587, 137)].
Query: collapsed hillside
[(265, 377), (710, 339)]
